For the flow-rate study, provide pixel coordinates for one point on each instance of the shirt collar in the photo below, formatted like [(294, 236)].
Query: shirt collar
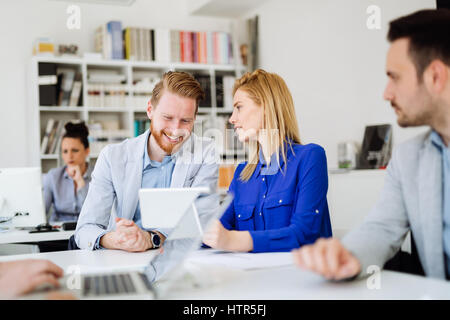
[(151, 163), (437, 140), (262, 169)]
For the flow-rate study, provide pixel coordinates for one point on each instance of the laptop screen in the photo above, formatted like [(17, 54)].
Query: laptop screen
[(177, 249)]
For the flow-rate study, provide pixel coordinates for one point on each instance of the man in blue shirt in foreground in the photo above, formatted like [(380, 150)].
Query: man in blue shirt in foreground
[(416, 194)]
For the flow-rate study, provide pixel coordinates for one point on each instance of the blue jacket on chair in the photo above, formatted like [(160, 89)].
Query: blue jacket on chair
[(282, 209)]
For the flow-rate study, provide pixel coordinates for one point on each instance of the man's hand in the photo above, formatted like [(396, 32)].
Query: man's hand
[(127, 236), (218, 237), (329, 258), (75, 173), (23, 276)]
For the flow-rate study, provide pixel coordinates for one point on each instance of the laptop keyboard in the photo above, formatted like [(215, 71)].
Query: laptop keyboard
[(108, 284)]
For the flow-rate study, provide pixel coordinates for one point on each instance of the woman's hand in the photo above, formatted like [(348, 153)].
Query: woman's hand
[(218, 237), (75, 173)]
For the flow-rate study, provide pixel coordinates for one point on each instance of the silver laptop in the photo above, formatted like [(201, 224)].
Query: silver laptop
[(166, 266)]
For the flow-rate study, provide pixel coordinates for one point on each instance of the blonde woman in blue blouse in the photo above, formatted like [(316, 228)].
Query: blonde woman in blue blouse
[(280, 193)]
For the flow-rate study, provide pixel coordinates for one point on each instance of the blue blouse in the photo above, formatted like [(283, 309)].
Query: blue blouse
[(282, 210), (59, 193)]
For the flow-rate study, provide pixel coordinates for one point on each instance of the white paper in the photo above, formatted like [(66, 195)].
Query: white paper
[(242, 261)]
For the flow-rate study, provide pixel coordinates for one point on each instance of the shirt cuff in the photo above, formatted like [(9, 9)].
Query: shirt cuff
[(260, 241), (97, 245)]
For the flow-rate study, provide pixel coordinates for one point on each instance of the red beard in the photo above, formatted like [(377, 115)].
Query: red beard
[(166, 146)]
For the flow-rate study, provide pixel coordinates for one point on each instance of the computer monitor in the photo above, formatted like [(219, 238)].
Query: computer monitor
[(21, 200)]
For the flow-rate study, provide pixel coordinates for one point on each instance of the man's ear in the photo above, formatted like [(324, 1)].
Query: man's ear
[(150, 109), (436, 76)]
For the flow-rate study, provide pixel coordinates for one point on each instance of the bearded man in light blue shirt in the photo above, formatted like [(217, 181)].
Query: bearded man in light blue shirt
[(167, 155)]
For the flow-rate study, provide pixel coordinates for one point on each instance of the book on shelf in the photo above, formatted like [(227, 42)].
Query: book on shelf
[(102, 133), (230, 143), (219, 91), (55, 141), (227, 85), (54, 131), (48, 81), (205, 84), (139, 44), (66, 76), (226, 174), (140, 126), (224, 91), (178, 46), (201, 125), (76, 91), (108, 40), (46, 136), (162, 45)]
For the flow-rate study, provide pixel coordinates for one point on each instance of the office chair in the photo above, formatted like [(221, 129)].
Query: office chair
[(72, 244), (406, 262)]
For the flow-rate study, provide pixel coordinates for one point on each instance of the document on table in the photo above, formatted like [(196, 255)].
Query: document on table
[(242, 261)]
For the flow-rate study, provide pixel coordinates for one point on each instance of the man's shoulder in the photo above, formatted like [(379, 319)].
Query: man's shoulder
[(413, 145), (122, 148)]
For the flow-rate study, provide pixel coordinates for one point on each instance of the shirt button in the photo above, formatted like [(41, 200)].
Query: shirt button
[(239, 215), (280, 201), (264, 179), (264, 196), (317, 211), (260, 213)]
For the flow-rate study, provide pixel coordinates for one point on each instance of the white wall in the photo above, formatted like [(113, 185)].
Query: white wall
[(333, 64), (22, 21)]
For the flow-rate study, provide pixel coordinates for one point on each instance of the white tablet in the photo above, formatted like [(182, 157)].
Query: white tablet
[(164, 207)]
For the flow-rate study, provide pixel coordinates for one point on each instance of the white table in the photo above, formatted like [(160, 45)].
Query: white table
[(92, 261), (23, 236), (276, 282)]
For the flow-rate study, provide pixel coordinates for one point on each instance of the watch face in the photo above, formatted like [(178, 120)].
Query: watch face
[(156, 240)]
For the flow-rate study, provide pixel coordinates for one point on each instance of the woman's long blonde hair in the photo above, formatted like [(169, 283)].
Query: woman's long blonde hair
[(269, 91)]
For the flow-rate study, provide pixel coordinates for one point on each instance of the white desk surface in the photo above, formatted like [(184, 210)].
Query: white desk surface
[(282, 282), (92, 261), (21, 236)]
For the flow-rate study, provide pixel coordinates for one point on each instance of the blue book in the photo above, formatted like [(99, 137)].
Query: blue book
[(115, 31), (136, 128)]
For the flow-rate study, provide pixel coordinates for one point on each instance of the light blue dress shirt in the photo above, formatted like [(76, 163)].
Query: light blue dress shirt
[(154, 175), (59, 194), (445, 152)]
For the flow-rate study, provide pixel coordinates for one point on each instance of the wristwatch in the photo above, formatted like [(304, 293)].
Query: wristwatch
[(155, 239)]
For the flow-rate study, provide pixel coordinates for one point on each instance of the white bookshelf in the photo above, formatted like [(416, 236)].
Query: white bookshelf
[(125, 114)]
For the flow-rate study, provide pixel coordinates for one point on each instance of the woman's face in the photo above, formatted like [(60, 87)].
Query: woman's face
[(73, 152), (247, 116)]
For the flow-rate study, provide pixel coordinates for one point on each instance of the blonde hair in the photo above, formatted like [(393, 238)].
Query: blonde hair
[(180, 83), (269, 91)]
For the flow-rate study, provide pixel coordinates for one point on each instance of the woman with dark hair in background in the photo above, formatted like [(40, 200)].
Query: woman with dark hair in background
[(66, 188)]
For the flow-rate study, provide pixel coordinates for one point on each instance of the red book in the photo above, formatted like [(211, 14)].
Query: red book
[(188, 49), (216, 47), (195, 50), (182, 53), (205, 48)]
